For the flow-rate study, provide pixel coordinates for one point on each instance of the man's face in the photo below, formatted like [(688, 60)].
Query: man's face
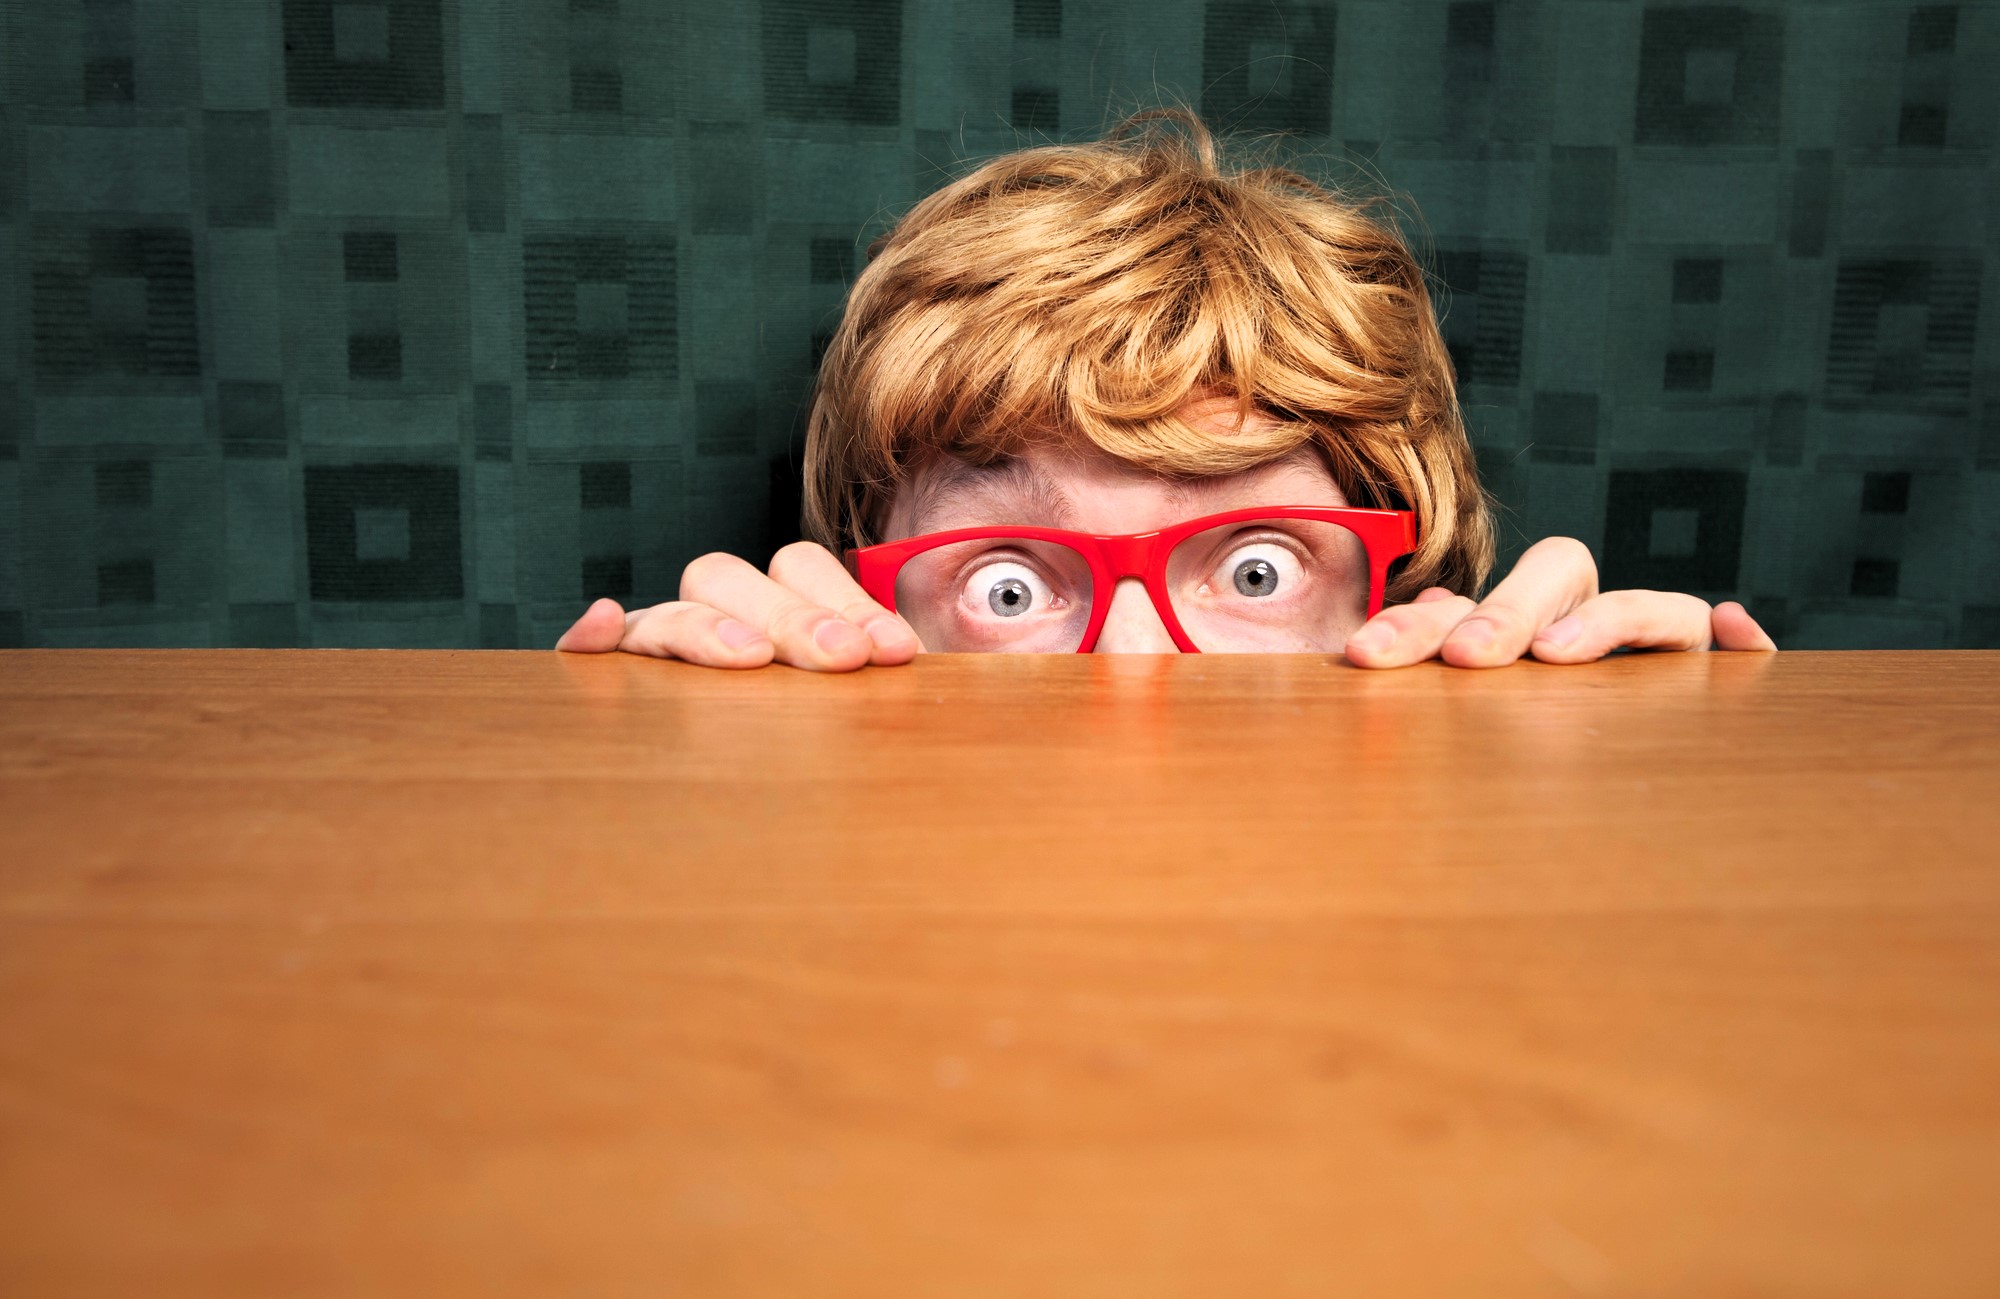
[(1290, 588)]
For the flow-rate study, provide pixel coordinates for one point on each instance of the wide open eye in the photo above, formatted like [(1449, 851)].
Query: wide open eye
[(1257, 571), (997, 594), (1276, 585), (1006, 589), (1256, 577)]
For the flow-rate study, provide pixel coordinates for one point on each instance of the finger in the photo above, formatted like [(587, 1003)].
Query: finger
[(681, 629), (813, 572), (1735, 629), (805, 634), (1627, 619), (598, 631), (1553, 577), (1407, 633)]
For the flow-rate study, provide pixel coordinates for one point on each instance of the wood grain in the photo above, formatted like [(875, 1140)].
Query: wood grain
[(381, 973)]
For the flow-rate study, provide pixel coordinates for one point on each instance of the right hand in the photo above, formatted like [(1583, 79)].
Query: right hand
[(808, 612)]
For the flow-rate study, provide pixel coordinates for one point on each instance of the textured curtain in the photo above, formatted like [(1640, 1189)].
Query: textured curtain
[(415, 323)]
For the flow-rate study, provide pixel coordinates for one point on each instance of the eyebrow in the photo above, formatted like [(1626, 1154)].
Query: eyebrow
[(1190, 497), (1011, 490), (1185, 496), (1006, 491)]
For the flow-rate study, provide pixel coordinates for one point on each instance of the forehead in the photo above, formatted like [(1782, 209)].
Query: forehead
[(1095, 493)]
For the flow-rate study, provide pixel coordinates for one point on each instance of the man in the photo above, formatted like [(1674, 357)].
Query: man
[(1114, 397)]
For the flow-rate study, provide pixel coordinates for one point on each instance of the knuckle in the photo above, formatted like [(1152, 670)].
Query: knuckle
[(1652, 617), (660, 630), (794, 559), (1697, 617), (1402, 618), (1573, 559), (1567, 547), (704, 571), (1502, 614), (1446, 609), (862, 611), (671, 614), (795, 620), (1639, 602)]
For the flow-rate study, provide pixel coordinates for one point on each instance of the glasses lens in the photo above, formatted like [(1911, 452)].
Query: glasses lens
[(1271, 586), (1005, 594)]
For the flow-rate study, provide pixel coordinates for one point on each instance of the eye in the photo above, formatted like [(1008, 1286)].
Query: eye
[(1256, 577), (1257, 571), (1010, 597), (1007, 589)]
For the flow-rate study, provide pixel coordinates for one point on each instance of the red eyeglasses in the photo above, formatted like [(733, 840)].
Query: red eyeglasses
[(1270, 578)]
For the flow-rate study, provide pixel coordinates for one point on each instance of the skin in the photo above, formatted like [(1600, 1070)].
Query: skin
[(809, 613)]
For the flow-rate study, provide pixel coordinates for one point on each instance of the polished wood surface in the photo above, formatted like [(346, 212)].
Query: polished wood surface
[(384, 973)]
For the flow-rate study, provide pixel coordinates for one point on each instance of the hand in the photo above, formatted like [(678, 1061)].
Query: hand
[(807, 612), (1549, 606)]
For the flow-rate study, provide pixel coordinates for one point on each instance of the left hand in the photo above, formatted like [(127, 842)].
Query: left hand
[(1549, 606)]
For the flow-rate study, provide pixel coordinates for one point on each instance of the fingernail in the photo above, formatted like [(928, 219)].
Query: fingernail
[(1372, 639), (736, 635), (1474, 633), (888, 633), (833, 636), (1562, 632)]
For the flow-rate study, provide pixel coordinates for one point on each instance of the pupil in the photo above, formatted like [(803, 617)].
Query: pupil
[(1256, 577), (1009, 597)]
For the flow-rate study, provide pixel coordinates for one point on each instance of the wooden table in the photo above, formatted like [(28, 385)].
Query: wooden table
[(365, 972)]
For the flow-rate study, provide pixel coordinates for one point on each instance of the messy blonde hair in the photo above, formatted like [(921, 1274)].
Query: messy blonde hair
[(1083, 292)]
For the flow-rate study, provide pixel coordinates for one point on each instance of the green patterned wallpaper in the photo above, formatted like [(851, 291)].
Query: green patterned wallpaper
[(414, 323)]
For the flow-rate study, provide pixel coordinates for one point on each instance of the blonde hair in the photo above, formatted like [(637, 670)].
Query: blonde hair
[(1084, 292)]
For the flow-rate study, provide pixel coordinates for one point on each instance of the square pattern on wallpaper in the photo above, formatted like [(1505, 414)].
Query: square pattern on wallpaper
[(364, 53), (400, 322), (113, 300), (383, 532)]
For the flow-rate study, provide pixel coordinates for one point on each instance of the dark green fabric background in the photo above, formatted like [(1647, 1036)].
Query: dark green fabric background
[(412, 323)]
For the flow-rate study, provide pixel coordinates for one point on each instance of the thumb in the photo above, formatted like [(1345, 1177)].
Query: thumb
[(1735, 629), (599, 631)]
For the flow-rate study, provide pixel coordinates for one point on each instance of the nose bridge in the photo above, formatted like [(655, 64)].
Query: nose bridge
[(1132, 624)]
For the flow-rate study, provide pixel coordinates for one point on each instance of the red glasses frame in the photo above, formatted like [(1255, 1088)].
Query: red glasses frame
[(1387, 535)]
